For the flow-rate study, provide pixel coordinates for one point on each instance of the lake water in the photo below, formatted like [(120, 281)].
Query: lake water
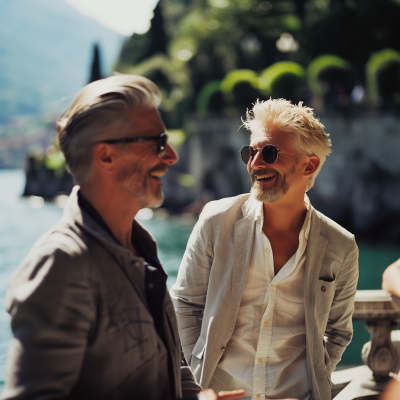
[(21, 224)]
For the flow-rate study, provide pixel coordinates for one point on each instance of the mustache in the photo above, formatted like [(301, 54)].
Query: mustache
[(265, 171)]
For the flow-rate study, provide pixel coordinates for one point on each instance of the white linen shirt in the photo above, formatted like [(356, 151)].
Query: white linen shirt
[(266, 354)]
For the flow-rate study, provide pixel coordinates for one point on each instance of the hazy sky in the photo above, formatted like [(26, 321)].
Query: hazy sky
[(123, 16)]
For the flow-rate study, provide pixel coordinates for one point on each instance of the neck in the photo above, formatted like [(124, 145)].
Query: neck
[(285, 215), (117, 211)]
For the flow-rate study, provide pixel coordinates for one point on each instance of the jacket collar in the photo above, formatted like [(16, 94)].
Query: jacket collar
[(79, 217), (251, 209)]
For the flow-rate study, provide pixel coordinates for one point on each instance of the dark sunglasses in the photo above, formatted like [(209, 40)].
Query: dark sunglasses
[(161, 140), (269, 153)]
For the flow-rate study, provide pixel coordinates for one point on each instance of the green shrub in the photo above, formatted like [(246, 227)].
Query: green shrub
[(209, 98), (330, 68), (282, 80), (232, 78), (383, 75), (240, 88)]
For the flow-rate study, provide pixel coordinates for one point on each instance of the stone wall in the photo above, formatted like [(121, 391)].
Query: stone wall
[(359, 185)]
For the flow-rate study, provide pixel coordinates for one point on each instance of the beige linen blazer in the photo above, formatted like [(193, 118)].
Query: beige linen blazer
[(212, 276)]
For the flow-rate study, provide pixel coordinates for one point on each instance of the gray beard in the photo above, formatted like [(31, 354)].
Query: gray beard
[(269, 195), (134, 181)]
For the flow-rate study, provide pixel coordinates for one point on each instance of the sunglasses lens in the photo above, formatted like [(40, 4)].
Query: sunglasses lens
[(162, 146), (269, 154), (246, 154)]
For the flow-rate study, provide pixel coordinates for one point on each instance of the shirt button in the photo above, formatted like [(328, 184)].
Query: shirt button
[(260, 360), (258, 396), (323, 288), (268, 250), (223, 348), (265, 323)]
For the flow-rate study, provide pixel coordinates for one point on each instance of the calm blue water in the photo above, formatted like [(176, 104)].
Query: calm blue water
[(21, 225)]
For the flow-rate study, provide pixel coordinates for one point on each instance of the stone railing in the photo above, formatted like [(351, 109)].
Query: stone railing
[(381, 313)]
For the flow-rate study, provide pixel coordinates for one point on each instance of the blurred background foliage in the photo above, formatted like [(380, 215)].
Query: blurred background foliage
[(217, 56)]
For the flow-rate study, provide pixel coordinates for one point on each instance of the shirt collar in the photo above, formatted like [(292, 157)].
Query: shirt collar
[(259, 216)]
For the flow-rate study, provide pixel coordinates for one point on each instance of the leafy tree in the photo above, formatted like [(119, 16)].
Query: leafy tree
[(352, 30)]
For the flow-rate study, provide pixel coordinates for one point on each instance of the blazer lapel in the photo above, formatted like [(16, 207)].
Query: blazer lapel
[(316, 247), (243, 238)]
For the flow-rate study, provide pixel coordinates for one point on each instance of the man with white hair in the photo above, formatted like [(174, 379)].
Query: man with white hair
[(91, 315), (265, 291)]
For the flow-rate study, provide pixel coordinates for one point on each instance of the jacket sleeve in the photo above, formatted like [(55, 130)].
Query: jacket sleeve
[(188, 380), (51, 309), (339, 330), (190, 290)]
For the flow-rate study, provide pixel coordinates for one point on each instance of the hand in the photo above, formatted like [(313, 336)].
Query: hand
[(392, 391), (391, 279), (209, 394)]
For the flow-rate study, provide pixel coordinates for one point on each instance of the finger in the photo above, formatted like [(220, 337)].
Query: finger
[(231, 394), (208, 394)]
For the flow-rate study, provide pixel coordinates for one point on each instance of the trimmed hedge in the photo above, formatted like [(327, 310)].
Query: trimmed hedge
[(329, 65), (240, 88), (232, 78), (382, 64), (208, 97), (282, 80)]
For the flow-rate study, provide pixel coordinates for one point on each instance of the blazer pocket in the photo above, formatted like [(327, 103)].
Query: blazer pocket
[(327, 279), (325, 292)]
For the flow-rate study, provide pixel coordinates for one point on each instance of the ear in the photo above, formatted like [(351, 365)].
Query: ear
[(104, 157), (312, 165)]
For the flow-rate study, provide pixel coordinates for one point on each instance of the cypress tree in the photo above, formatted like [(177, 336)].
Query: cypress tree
[(95, 72)]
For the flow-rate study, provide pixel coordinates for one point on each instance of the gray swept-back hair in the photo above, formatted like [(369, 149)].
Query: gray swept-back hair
[(307, 133), (98, 106)]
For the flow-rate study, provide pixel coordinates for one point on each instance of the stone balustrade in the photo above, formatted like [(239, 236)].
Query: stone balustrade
[(381, 313)]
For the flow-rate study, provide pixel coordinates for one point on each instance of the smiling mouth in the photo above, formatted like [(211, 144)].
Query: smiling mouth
[(158, 174), (264, 178)]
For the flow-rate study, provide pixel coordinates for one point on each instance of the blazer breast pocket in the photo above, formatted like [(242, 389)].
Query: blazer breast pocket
[(325, 292)]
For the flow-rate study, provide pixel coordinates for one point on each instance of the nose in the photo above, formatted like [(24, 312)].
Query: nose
[(257, 161), (171, 157)]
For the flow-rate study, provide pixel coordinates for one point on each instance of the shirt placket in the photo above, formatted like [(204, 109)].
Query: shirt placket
[(265, 330)]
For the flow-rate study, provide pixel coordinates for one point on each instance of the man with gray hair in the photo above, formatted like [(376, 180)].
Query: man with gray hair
[(265, 291), (91, 315)]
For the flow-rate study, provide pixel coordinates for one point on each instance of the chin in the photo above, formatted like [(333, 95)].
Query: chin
[(155, 201), (269, 196)]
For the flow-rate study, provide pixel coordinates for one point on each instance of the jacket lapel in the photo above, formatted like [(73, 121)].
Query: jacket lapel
[(243, 238), (316, 246)]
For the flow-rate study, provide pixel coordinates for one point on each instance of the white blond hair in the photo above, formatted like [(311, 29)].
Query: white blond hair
[(98, 106), (308, 134)]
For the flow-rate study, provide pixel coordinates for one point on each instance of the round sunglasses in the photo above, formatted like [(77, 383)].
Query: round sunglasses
[(269, 153)]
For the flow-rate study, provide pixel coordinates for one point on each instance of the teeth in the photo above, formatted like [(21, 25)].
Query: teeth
[(158, 173), (261, 177)]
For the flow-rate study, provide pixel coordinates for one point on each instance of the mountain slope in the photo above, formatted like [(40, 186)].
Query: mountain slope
[(45, 54)]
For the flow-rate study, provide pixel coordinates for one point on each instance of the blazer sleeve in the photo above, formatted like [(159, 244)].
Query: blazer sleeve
[(339, 330), (51, 309), (190, 290)]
